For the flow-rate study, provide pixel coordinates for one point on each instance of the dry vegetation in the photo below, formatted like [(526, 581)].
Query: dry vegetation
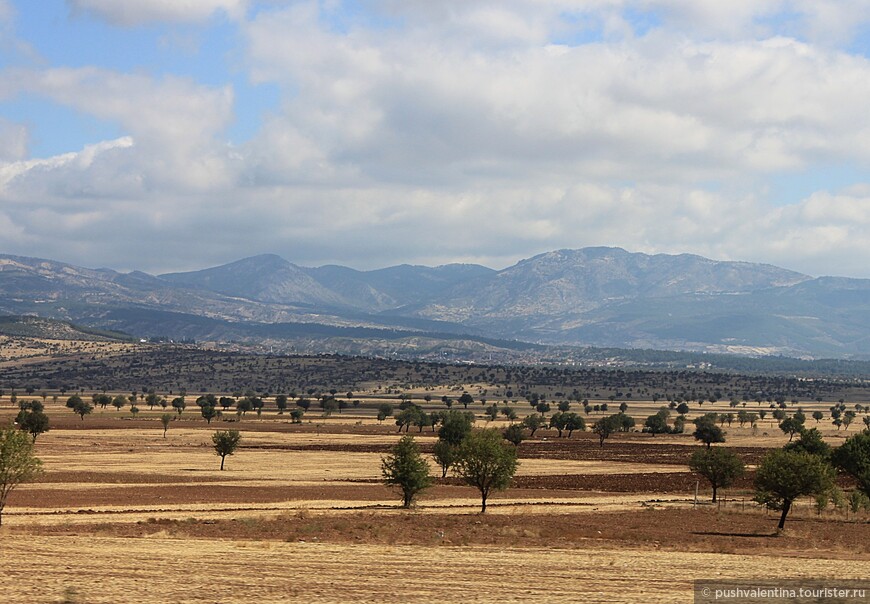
[(125, 515)]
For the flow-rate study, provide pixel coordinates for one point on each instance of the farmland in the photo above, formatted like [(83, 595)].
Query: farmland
[(123, 513)]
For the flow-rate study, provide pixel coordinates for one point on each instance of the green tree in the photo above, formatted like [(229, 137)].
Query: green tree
[(165, 419), (658, 423), (455, 426), (810, 441), (281, 403), (225, 443), (33, 422), (515, 434), (466, 399), (574, 421), (606, 426), (707, 431), (406, 469), (487, 462), (533, 423), (791, 426), (17, 462), (82, 408), (720, 466), (853, 458), (444, 454), (385, 410), (557, 421), (783, 476), (179, 404), (208, 413)]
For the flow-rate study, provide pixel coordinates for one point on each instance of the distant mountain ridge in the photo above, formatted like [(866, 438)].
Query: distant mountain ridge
[(586, 297)]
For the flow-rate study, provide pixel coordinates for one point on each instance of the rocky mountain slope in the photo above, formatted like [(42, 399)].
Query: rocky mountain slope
[(586, 297)]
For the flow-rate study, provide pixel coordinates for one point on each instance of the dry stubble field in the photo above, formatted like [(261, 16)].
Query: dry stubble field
[(124, 515)]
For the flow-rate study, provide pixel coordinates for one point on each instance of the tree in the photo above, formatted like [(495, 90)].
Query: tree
[(281, 403), (82, 408), (485, 461), (810, 441), (515, 434), (466, 399), (33, 422), (707, 431), (329, 405), (208, 413), (444, 454), (533, 423), (17, 462), (853, 458), (783, 476), (791, 426), (606, 426), (573, 422), (720, 466), (406, 468), (658, 423), (243, 406), (165, 419), (385, 410), (557, 421), (818, 416), (455, 426), (119, 401), (225, 443), (179, 404)]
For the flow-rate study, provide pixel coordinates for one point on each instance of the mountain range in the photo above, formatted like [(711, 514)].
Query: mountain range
[(586, 297)]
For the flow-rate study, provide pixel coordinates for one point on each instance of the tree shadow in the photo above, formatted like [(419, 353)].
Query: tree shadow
[(726, 534)]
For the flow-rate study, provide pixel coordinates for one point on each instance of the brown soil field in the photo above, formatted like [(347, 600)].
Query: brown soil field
[(122, 514)]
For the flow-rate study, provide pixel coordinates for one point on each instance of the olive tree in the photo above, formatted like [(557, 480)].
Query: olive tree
[(32, 422), (405, 468), (720, 466), (444, 454), (484, 460), (606, 426), (17, 462), (853, 458), (82, 408), (783, 476), (225, 443), (165, 419), (514, 434), (707, 431)]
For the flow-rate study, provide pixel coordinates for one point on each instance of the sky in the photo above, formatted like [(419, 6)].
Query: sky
[(169, 135)]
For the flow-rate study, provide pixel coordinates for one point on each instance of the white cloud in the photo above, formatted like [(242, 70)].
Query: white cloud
[(460, 131), (174, 122), (405, 107), (139, 12), (13, 140)]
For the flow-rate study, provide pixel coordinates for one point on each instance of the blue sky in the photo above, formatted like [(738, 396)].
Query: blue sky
[(379, 132)]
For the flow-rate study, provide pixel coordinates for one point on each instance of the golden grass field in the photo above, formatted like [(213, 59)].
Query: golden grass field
[(122, 514)]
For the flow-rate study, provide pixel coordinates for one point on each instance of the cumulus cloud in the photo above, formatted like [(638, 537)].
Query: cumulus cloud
[(13, 140), (149, 11), (174, 122), (654, 108), (462, 131)]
